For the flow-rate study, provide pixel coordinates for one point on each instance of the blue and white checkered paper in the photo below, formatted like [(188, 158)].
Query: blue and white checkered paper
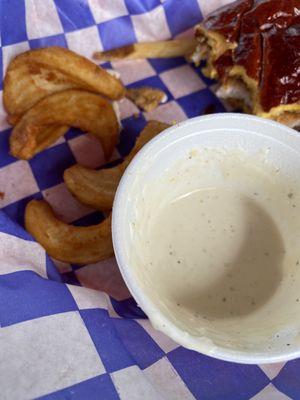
[(75, 333)]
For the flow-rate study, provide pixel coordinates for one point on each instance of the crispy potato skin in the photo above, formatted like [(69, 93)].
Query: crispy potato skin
[(41, 125), (64, 242), (35, 74), (83, 245), (97, 188)]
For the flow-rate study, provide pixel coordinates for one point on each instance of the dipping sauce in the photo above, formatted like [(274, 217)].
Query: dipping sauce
[(215, 237)]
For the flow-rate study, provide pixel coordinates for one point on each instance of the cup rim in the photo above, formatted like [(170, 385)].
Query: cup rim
[(169, 328)]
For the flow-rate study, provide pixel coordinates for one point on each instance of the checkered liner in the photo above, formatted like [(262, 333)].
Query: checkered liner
[(76, 333)]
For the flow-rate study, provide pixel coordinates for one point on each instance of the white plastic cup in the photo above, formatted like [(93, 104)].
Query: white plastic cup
[(226, 131)]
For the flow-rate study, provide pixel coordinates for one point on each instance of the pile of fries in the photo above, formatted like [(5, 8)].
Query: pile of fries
[(47, 91), (83, 245)]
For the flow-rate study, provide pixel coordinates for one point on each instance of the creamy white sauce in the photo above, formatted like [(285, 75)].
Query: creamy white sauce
[(216, 246)]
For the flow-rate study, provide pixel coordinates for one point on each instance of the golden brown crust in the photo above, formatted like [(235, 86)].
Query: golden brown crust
[(45, 121), (97, 188), (35, 74), (68, 243)]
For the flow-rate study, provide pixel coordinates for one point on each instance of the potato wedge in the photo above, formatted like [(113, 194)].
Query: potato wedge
[(49, 136), (84, 110), (162, 49), (35, 74), (97, 188), (68, 243)]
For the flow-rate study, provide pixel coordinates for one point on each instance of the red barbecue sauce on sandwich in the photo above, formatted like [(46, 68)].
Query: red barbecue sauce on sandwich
[(267, 37)]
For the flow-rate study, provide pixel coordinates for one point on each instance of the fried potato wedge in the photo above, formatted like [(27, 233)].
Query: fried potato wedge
[(97, 188), (68, 243), (35, 74), (49, 136), (162, 49), (41, 125)]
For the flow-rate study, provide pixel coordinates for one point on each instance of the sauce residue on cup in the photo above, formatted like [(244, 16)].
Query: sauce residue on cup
[(216, 242)]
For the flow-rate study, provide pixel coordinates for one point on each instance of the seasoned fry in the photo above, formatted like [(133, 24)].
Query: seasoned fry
[(163, 49), (146, 98), (68, 243), (97, 188), (35, 74), (49, 136), (46, 121)]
